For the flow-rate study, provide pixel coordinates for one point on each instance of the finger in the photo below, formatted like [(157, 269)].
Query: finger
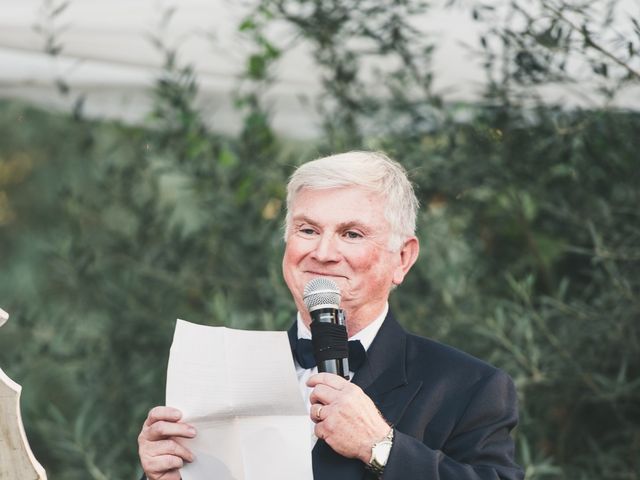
[(157, 414), (318, 412), (162, 465), (167, 475), (168, 447), (320, 431), (329, 379), (324, 394), (161, 430)]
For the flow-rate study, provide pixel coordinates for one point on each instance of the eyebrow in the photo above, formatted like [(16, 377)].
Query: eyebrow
[(341, 226)]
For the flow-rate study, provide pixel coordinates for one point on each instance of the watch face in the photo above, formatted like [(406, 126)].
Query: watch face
[(381, 453)]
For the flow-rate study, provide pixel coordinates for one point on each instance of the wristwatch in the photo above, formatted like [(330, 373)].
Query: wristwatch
[(380, 454)]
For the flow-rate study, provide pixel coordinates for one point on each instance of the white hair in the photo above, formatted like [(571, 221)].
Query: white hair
[(371, 170)]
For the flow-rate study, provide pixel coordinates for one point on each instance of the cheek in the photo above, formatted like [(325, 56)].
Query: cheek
[(288, 270), (287, 261), (292, 252), (366, 260), (376, 265)]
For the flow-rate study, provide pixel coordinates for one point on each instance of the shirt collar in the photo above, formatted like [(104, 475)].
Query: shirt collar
[(366, 335)]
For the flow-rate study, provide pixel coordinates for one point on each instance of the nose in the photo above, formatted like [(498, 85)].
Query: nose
[(326, 249)]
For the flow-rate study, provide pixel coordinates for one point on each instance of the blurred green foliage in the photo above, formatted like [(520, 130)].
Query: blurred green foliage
[(530, 229)]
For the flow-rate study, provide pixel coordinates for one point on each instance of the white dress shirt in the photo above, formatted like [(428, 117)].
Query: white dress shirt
[(366, 336)]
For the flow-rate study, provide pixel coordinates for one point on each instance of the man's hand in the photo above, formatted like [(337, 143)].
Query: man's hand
[(161, 455), (346, 418)]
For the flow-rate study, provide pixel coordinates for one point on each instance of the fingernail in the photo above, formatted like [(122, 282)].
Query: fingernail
[(191, 431)]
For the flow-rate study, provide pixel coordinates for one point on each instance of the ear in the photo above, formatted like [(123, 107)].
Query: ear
[(408, 255)]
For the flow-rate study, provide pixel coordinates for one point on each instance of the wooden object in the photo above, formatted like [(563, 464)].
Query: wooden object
[(16, 459)]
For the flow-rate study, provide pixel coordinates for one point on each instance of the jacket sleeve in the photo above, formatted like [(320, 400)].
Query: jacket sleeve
[(479, 447)]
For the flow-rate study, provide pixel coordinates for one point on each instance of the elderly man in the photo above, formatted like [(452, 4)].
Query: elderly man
[(416, 409)]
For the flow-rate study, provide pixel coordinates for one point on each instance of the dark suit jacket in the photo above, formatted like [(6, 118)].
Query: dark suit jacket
[(452, 413)]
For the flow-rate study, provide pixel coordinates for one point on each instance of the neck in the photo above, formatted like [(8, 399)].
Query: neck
[(360, 319), (357, 320)]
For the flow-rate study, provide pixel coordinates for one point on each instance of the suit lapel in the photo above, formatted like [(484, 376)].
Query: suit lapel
[(384, 368), (328, 465), (383, 378)]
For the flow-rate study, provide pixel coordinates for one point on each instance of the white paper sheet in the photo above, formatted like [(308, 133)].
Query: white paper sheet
[(4, 316), (239, 389)]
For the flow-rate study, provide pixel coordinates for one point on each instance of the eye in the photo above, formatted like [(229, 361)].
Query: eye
[(306, 231), (351, 235)]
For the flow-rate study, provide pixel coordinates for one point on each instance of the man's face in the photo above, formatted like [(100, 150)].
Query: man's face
[(342, 234)]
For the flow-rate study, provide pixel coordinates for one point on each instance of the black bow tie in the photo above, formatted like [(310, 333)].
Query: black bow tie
[(303, 352)]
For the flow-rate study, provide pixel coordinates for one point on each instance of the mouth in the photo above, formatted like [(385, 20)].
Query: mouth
[(324, 274)]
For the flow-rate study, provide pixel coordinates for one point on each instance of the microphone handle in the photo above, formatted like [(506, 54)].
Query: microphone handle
[(337, 366)]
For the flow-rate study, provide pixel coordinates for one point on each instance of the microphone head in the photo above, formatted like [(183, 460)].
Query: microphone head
[(321, 292)]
